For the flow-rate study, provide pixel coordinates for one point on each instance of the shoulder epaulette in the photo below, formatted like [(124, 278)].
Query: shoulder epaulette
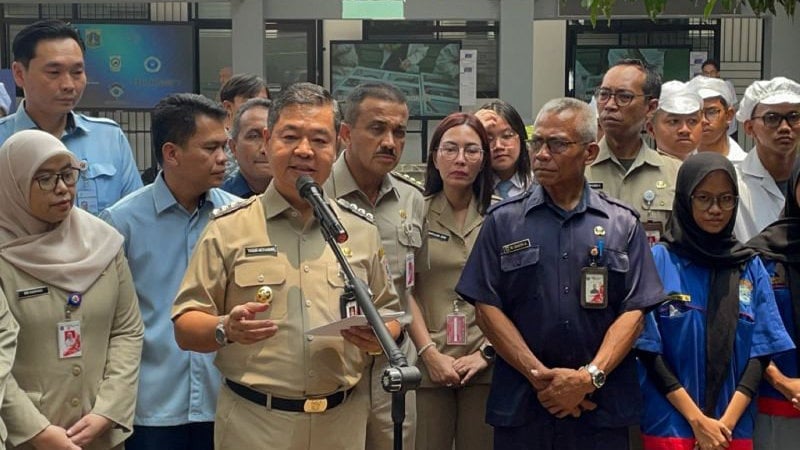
[(353, 208), (229, 208), (408, 180), (618, 202)]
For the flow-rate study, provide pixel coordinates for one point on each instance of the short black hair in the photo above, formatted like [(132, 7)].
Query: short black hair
[(711, 62), (174, 119), (244, 85), (652, 80), (376, 90), (307, 94), (256, 102), (24, 46)]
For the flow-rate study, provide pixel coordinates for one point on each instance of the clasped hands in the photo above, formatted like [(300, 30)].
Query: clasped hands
[(563, 391)]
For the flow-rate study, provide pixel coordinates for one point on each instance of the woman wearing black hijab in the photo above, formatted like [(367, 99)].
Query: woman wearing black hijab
[(778, 422), (703, 350)]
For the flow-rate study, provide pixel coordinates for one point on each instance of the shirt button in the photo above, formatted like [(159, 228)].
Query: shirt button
[(293, 214), (308, 303), (566, 289), (311, 373), (306, 269), (76, 370), (309, 338), (564, 255), (75, 402), (260, 278)]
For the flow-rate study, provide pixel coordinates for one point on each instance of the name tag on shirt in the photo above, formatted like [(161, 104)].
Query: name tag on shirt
[(269, 250), (32, 292), (516, 246), (439, 236)]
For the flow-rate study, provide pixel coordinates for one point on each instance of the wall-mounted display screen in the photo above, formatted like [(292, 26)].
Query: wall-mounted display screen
[(592, 62), (427, 72), (133, 66)]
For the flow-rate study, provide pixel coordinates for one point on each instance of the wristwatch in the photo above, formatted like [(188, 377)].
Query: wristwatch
[(488, 352), (598, 376), (219, 333)]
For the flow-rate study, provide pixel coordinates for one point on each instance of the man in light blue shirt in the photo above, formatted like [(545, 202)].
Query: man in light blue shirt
[(49, 66), (161, 223)]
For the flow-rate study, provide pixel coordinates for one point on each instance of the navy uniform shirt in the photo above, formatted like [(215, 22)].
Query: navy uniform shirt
[(237, 185), (527, 262)]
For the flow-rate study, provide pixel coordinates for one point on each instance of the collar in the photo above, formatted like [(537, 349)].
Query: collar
[(344, 183), (590, 200), (75, 123), (440, 206), (277, 203), (645, 155), (515, 180), (164, 200)]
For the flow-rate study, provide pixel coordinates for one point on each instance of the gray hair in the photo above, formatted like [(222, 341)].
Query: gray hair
[(256, 102), (307, 94), (586, 125)]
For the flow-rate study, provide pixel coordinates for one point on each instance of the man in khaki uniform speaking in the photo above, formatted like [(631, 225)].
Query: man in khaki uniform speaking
[(262, 276), (374, 132), (626, 167)]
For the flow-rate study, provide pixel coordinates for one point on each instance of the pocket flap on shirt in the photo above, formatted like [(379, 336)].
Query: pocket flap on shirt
[(410, 235), (520, 258), (617, 261), (95, 170), (260, 273)]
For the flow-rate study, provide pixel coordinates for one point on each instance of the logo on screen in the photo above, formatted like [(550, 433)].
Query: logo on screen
[(115, 63), (152, 64), (93, 38), (116, 90)]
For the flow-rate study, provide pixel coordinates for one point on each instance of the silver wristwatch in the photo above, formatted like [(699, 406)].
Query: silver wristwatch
[(598, 376), (219, 333)]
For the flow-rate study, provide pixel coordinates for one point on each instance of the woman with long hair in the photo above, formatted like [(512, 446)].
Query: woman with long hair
[(454, 355), (508, 152)]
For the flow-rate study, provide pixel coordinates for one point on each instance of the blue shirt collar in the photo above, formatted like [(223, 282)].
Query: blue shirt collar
[(164, 200), (75, 123), (589, 200)]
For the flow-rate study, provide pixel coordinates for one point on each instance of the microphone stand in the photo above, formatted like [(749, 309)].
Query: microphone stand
[(399, 377)]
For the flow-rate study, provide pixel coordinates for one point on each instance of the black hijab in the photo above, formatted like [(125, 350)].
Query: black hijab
[(721, 253), (781, 242)]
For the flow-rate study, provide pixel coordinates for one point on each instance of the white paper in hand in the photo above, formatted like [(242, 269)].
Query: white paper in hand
[(335, 328)]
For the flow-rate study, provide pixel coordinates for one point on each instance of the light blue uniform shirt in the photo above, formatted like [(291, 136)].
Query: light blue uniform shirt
[(175, 386), (106, 159)]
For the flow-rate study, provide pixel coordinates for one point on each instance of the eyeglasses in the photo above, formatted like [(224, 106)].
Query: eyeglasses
[(49, 182), (472, 153), (774, 120), (711, 114), (622, 98), (726, 202), (507, 138), (555, 145)]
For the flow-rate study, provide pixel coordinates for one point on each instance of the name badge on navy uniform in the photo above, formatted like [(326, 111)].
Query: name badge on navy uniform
[(594, 279)]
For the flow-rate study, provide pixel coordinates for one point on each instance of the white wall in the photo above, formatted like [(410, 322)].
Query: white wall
[(549, 61)]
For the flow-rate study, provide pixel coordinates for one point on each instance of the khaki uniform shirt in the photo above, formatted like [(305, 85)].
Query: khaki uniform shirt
[(262, 242), (8, 347), (651, 172), (399, 214), (449, 246), (45, 389)]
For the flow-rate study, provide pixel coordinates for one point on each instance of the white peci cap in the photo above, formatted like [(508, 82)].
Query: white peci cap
[(769, 92), (677, 98), (708, 87)]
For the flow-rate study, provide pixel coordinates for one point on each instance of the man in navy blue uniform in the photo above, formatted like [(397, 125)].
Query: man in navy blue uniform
[(561, 277)]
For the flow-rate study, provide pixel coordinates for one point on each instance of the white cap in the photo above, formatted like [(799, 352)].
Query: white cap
[(677, 98), (769, 92), (708, 87)]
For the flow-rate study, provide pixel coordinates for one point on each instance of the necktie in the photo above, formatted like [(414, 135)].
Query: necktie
[(504, 187)]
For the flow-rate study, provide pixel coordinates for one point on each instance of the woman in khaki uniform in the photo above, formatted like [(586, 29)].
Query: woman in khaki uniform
[(8, 347), (454, 355), (73, 383)]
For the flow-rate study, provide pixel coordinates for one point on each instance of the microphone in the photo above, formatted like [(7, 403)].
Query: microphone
[(312, 193)]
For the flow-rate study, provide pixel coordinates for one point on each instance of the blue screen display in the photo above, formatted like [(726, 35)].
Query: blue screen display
[(131, 66)]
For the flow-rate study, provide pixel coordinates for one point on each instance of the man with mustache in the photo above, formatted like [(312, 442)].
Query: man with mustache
[(374, 132), (161, 223), (247, 145), (48, 65), (626, 167), (770, 112)]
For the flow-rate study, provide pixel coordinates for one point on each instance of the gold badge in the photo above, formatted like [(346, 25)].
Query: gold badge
[(599, 231), (661, 184), (264, 295), (402, 213), (347, 252)]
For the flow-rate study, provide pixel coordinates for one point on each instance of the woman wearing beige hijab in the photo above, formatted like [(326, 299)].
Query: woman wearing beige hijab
[(73, 383)]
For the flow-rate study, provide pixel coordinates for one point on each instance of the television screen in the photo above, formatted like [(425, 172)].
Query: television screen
[(427, 72), (592, 62), (133, 66)]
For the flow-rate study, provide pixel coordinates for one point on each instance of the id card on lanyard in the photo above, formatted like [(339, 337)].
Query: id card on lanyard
[(69, 330), (86, 195)]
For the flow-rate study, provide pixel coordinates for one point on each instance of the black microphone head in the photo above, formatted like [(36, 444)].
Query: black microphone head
[(304, 183)]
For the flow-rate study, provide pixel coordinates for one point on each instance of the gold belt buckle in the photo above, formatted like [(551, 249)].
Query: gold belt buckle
[(315, 405)]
